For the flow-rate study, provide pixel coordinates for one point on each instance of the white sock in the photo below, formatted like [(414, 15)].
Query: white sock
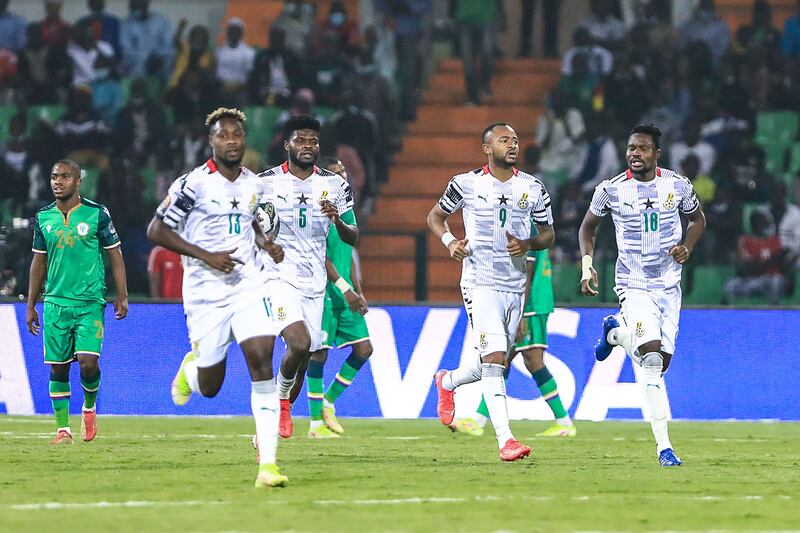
[(621, 336), (656, 396), (566, 421), (316, 423), (64, 429), (285, 385), (494, 392), (480, 419), (461, 376), (190, 370), (264, 403)]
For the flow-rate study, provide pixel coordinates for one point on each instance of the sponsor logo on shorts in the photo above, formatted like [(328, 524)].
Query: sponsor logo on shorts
[(281, 314), (639, 329), (483, 343), (83, 229), (523, 202)]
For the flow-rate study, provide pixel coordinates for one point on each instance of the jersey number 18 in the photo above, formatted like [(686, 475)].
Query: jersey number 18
[(650, 221)]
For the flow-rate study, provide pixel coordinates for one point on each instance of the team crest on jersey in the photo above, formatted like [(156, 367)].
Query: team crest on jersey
[(670, 202), (639, 329), (281, 314), (253, 203), (324, 196), (523, 202), (483, 343), (82, 229)]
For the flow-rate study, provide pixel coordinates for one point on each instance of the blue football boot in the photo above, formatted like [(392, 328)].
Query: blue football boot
[(603, 348), (668, 458)]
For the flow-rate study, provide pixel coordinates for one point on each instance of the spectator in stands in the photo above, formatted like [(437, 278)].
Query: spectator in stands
[(662, 111), (90, 58), (276, 73), (760, 263), (599, 61), (380, 41), (569, 210), (13, 32), (624, 92), (105, 26), (41, 70), (358, 127), (605, 28), (704, 186), (746, 168), (193, 54), (580, 87), (692, 144), (297, 22), (165, 272), (146, 41), (602, 159), (760, 32), (790, 42), (190, 148), (724, 220), (141, 128), (705, 26), (83, 135), (235, 60), (194, 95), (339, 23), (328, 69), (378, 97), (120, 188), (55, 30), (559, 136), (477, 30), (550, 24), (786, 216), (15, 160)]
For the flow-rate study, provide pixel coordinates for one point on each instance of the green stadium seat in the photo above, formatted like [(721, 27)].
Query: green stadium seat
[(260, 122), (709, 281), (794, 159), (149, 179), (325, 112), (6, 112), (565, 286), (775, 157), (747, 210), (90, 176), (779, 127)]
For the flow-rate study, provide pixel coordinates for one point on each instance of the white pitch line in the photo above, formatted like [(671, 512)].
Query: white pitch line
[(49, 506), (396, 501)]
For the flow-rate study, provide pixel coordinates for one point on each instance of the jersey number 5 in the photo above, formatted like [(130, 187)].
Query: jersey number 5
[(650, 221), (302, 219)]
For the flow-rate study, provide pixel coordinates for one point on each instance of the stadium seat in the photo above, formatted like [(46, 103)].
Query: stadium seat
[(149, 180), (90, 177), (779, 127), (6, 112), (708, 284), (794, 160), (48, 113), (747, 210), (260, 122), (565, 286)]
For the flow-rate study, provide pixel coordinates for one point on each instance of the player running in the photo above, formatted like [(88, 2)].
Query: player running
[(499, 203), (209, 216), (343, 325), (531, 343), (308, 201), (68, 236), (646, 203)]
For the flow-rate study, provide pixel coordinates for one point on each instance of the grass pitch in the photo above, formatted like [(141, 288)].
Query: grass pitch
[(196, 474)]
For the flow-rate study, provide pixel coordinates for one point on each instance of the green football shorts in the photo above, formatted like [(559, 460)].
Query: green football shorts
[(532, 332), (72, 330), (341, 327)]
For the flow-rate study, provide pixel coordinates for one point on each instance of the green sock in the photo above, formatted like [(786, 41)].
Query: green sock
[(59, 397), (547, 386), (90, 387), (314, 382), (344, 377)]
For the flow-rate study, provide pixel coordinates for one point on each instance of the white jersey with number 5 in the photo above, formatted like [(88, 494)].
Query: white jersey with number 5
[(304, 229), (216, 214), (492, 207), (647, 224)]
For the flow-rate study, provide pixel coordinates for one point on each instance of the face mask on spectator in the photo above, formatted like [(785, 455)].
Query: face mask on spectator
[(337, 19)]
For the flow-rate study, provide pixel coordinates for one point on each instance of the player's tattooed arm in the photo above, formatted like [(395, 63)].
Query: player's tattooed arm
[(36, 279), (120, 282)]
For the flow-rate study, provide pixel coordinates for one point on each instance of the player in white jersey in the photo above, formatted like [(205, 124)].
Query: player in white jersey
[(208, 217), (646, 204), (499, 203), (308, 201)]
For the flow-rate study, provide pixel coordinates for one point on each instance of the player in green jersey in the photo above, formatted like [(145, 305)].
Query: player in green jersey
[(343, 325), (68, 236), (531, 343)]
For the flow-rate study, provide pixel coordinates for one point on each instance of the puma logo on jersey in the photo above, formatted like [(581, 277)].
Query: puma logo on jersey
[(629, 204), (216, 202), (482, 198), (282, 198)]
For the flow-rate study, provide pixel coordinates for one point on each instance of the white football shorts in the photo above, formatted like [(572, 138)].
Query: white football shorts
[(494, 316), (652, 315), (289, 305)]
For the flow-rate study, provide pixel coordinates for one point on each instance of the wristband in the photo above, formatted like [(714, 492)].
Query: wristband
[(342, 285), (586, 267), (448, 238)]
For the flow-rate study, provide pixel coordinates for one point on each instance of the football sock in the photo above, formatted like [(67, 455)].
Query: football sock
[(461, 376), (656, 396), (264, 403), (190, 371), (90, 386), (482, 413), (285, 385), (621, 336), (344, 377), (315, 388), (494, 392), (547, 386), (59, 397)]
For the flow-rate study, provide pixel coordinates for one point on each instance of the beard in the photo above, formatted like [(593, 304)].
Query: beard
[(502, 161), (231, 163), (295, 160), (642, 171)]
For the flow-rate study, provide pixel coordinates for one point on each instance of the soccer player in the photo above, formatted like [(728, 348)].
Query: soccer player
[(343, 324), (209, 217), (646, 203), (308, 201), (499, 203), (531, 343), (68, 236)]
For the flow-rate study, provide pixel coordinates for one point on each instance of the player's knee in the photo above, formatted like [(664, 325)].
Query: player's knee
[(534, 359), (59, 373), (297, 340), (363, 350), (209, 390), (89, 366), (653, 362), (320, 356)]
